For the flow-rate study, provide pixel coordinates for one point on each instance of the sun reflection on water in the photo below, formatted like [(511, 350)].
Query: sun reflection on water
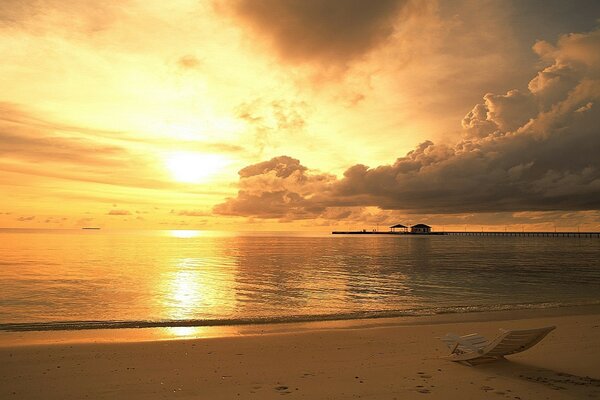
[(198, 288), (187, 289), (185, 331), (195, 332)]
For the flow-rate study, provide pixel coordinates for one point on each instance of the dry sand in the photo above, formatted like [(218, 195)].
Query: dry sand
[(383, 359)]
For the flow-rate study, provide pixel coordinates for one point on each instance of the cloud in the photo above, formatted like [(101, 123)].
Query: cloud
[(29, 218), (55, 220), (22, 136), (84, 221), (269, 119), (38, 147), (85, 16), (192, 213), (58, 149), (521, 151), (278, 188), (332, 31), (33, 146), (189, 62), (118, 212)]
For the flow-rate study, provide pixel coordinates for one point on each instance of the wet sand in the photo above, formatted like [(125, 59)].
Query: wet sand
[(371, 359)]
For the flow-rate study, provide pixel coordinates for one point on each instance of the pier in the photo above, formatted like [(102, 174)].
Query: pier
[(474, 233), (523, 233), (364, 232)]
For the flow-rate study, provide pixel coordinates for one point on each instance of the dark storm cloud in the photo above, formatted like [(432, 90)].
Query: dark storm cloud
[(521, 151), (547, 19), (317, 30)]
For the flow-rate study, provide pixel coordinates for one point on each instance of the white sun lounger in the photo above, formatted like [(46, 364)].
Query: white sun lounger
[(474, 348)]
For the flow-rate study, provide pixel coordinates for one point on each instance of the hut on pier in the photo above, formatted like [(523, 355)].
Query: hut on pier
[(420, 228), (399, 226)]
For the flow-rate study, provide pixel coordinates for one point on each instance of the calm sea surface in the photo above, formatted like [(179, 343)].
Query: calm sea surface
[(49, 279)]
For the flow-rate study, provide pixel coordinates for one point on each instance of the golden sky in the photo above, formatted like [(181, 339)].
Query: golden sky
[(299, 114)]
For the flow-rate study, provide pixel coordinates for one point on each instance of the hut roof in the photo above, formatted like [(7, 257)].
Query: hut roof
[(398, 226), (421, 226)]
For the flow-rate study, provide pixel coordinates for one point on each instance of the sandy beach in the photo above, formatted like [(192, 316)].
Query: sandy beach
[(371, 359)]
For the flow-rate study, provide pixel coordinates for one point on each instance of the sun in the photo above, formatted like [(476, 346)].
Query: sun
[(190, 167)]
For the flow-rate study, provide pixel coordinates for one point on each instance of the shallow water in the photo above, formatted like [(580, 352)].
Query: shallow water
[(156, 278)]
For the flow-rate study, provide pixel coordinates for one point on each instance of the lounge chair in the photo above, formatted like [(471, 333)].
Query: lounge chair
[(474, 349)]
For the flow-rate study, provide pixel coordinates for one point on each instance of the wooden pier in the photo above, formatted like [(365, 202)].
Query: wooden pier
[(523, 233), (474, 233), (364, 232)]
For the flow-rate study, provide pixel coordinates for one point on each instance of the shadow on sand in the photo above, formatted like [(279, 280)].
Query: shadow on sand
[(579, 387)]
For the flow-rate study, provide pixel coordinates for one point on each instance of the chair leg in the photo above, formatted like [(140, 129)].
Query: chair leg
[(454, 348)]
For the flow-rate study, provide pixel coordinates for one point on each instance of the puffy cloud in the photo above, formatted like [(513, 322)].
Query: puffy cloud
[(521, 151), (334, 31), (572, 58), (511, 110), (278, 188), (281, 167)]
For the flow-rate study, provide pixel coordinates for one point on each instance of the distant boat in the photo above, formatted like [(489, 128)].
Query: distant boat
[(90, 227)]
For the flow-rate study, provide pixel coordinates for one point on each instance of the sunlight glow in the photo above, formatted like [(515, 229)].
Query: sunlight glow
[(185, 331), (190, 167), (184, 233)]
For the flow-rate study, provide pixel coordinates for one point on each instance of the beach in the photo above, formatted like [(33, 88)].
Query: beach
[(394, 358), (265, 199)]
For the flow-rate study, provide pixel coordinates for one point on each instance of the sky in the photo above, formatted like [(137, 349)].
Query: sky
[(300, 114)]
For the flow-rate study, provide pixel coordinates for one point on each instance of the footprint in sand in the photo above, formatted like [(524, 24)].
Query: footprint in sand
[(282, 389)]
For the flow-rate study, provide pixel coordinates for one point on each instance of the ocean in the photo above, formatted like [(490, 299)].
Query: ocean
[(78, 279)]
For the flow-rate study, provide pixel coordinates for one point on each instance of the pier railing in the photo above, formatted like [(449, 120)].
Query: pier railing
[(475, 233), (545, 234)]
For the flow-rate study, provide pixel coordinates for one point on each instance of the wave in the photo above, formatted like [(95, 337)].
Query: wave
[(134, 324)]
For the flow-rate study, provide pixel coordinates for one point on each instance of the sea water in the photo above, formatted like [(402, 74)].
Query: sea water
[(73, 279)]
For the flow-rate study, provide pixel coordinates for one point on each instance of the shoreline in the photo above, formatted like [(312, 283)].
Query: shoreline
[(75, 325), (368, 359), (186, 332)]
